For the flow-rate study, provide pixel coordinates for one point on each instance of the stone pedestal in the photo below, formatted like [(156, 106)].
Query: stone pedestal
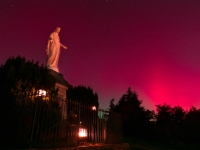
[(62, 85)]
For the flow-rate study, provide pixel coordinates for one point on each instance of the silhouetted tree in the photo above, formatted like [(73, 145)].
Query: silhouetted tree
[(136, 120), (164, 121), (84, 95), (112, 105), (164, 114), (170, 123), (178, 116), (18, 75), (192, 126)]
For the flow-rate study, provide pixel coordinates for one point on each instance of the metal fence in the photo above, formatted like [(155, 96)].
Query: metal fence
[(50, 121)]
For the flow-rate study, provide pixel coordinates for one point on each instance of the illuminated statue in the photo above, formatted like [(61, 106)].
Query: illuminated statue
[(53, 50)]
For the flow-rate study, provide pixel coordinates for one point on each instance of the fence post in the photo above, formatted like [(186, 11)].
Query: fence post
[(33, 123)]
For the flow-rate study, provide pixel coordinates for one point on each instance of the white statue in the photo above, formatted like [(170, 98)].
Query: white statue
[(53, 50)]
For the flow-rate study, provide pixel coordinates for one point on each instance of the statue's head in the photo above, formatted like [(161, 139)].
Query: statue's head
[(57, 29)]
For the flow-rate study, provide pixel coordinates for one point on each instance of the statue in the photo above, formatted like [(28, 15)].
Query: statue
[(53, 50)]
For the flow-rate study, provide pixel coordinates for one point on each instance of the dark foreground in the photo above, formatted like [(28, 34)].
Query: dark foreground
[(135, 144), (88, 146)]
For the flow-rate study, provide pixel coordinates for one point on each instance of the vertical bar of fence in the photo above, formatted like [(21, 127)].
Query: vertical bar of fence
[(79, 122), (69, 117), (98, 126), (21, 112), (100, 122), (93, 126), (33, 122)]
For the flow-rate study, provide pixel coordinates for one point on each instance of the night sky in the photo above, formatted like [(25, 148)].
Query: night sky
[(152, 46)]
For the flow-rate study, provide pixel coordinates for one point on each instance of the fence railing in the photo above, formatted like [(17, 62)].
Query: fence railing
[(35, 121)]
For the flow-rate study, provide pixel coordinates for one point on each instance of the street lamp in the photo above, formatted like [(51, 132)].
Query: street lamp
[(93, 107), (93, 123)]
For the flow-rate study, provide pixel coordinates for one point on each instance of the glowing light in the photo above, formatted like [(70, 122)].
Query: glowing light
[(41, 92), (93, 107), (82, 132)]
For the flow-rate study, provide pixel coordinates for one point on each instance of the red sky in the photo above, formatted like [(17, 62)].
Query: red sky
[(150, 46)]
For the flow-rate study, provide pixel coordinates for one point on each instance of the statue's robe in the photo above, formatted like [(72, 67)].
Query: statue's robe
[(53, 52)]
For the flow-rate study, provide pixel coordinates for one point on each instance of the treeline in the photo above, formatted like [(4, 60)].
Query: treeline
[(168, 124), (19, 75)]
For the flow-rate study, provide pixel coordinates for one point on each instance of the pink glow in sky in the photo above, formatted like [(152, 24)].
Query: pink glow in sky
[(151, 46)]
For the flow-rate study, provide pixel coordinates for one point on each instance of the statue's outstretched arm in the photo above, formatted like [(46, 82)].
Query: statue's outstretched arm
[(65, 47)]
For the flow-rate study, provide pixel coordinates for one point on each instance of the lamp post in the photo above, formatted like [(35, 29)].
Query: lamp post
[(93, 123)]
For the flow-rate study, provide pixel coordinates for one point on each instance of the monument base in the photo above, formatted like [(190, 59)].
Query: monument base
[(60, 83)]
